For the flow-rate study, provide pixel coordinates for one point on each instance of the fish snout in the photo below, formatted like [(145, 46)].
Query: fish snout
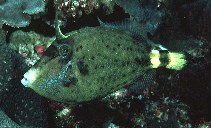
[(29, 77)]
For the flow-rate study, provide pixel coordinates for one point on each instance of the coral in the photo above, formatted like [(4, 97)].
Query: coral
[(63, 114), (2, 36), (164, 112), (122, 109), (21, 105), (109, 5), (142, 12), (74, 8), (16, 13), (6, 122), (40, 50), (27, 106), (30, 45), (205, 125), (146, 13), (6, 75)]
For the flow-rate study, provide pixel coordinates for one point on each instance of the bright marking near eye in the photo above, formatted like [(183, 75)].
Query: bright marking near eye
[(29, 77)]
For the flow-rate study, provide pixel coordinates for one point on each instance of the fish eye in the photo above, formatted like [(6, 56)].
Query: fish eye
[(63, 50)]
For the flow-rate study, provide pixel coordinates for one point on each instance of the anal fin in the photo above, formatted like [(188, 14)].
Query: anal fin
[(145, 81)]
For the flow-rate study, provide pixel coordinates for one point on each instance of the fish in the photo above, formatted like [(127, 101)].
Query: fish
[(93, 62)]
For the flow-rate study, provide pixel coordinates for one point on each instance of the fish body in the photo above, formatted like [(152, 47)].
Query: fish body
[(102, 61)]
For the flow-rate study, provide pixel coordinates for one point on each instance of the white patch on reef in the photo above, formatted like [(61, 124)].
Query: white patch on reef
[(29, 77)]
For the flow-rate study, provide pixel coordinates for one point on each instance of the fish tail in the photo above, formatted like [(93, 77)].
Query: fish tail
[(167, 59)]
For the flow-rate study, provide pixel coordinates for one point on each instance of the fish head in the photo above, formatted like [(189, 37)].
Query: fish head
[(29, 77), (48, 75)]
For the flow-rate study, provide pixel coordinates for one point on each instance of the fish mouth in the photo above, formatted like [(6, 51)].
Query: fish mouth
[(25, 82), (29, 77)]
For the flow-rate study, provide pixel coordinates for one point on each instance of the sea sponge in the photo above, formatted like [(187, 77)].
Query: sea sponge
[(16, 13)]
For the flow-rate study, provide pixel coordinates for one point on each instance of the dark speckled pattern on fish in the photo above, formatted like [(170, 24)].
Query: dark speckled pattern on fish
[(112, 59), (103, 61)]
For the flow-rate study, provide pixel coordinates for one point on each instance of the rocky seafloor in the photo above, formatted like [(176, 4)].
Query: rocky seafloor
[(178, 99)]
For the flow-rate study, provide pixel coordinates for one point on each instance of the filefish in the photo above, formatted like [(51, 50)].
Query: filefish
[(94, 62)]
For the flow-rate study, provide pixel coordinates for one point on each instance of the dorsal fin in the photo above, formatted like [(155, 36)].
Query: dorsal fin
[(131, 26), (124, 25)]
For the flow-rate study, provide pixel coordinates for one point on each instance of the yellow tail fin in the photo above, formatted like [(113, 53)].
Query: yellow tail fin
[(176, 61)]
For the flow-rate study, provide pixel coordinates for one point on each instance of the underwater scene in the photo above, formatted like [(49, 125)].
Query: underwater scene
[(105, 63)]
